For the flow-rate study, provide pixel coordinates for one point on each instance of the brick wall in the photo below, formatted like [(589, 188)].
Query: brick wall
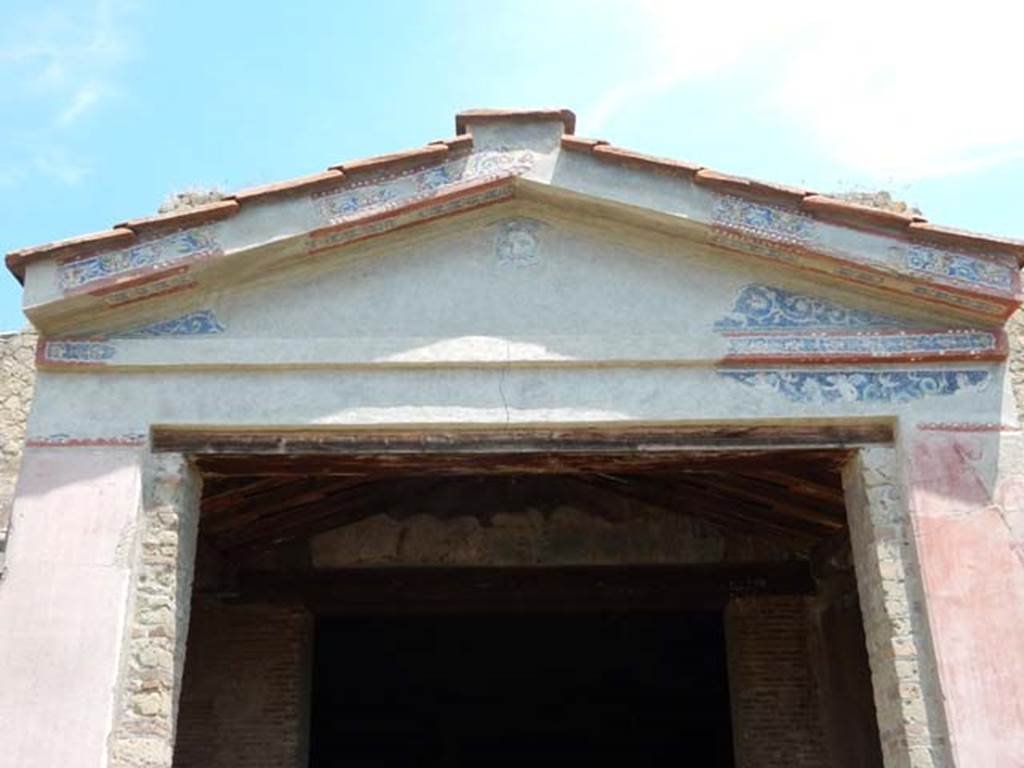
[(776, 715), (245, 696), (17, 379)]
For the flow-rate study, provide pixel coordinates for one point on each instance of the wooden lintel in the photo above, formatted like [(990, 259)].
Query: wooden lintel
[(525, 589), (511, 441)]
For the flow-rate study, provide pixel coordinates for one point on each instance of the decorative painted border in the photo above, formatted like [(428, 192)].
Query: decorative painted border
[(454, 202), (150, 290), (353, 202), (792, 237), (76, 274), (517, 241), (200, 323), (768, 323), (766, 221), (74, 352), (64, 440), (909, 347), (879, 386)]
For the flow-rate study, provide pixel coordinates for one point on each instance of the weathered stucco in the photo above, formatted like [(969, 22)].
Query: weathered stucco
[(621, 298)]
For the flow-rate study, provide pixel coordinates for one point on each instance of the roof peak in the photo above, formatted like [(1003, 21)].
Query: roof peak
[(467, 116)]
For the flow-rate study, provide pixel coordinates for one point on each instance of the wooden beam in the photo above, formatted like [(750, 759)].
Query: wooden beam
[(778, 498), (512, 590), (389, 447), (732, 514)]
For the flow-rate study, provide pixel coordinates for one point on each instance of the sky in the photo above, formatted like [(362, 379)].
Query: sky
[(110, 106)]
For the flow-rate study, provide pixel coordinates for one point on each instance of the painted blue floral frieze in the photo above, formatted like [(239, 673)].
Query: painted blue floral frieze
[(955, 266), (795, 238), (198, 323), (190, 244), (768, 307), (91, 352), (348, 233), (763, 220), (884, 386), (768, 322), (338, 206)]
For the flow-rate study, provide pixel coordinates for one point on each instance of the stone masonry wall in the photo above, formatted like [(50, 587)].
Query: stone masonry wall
[(17, 379), (152, 671), (1015, 332), (776, 714)]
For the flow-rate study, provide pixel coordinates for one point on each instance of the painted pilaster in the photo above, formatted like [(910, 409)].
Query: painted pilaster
[(967, 501), (63, 603)]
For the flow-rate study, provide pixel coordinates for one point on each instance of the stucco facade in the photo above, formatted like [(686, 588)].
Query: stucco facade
[(516, 278)]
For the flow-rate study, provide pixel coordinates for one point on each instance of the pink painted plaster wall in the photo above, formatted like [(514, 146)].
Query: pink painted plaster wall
[(968, 507), (63, 604)]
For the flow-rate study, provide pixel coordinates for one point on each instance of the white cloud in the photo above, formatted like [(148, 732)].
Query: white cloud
[(57, 164), (58, 65), (86, 96), (896, 90)]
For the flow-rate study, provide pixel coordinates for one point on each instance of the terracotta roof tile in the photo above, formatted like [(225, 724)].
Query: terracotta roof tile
[(924, 230), (73, 246), (580, 144), (855, 214), (467, 116), (396, 160), (740, 185), (302, 184), (189, 217), (456, 143), (644, 162), (827, 208)]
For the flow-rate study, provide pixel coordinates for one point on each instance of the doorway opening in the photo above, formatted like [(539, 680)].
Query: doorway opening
[(514, 689), (610, 600)]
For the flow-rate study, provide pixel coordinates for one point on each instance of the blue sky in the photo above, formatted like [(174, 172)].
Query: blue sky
[(109, 106)]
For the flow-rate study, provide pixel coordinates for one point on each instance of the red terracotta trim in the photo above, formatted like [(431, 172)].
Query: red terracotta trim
[(312, 182), (43, 362), (958, 238), (580, 144), (451, 194), (134, 280), (644, 162), (467, 116), (456, 143), (112, 302), (938, 426), (759, 190), (396, 160), (856, 215), (69, 248), (201, 214), (742, 360)]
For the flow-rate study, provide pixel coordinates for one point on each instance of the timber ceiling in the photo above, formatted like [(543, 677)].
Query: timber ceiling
[(255, 503)]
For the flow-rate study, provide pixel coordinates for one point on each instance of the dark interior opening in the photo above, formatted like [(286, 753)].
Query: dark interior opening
[(502, 690)]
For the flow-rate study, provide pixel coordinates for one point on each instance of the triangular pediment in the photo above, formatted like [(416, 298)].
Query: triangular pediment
[(518, 228), (522, 281)]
